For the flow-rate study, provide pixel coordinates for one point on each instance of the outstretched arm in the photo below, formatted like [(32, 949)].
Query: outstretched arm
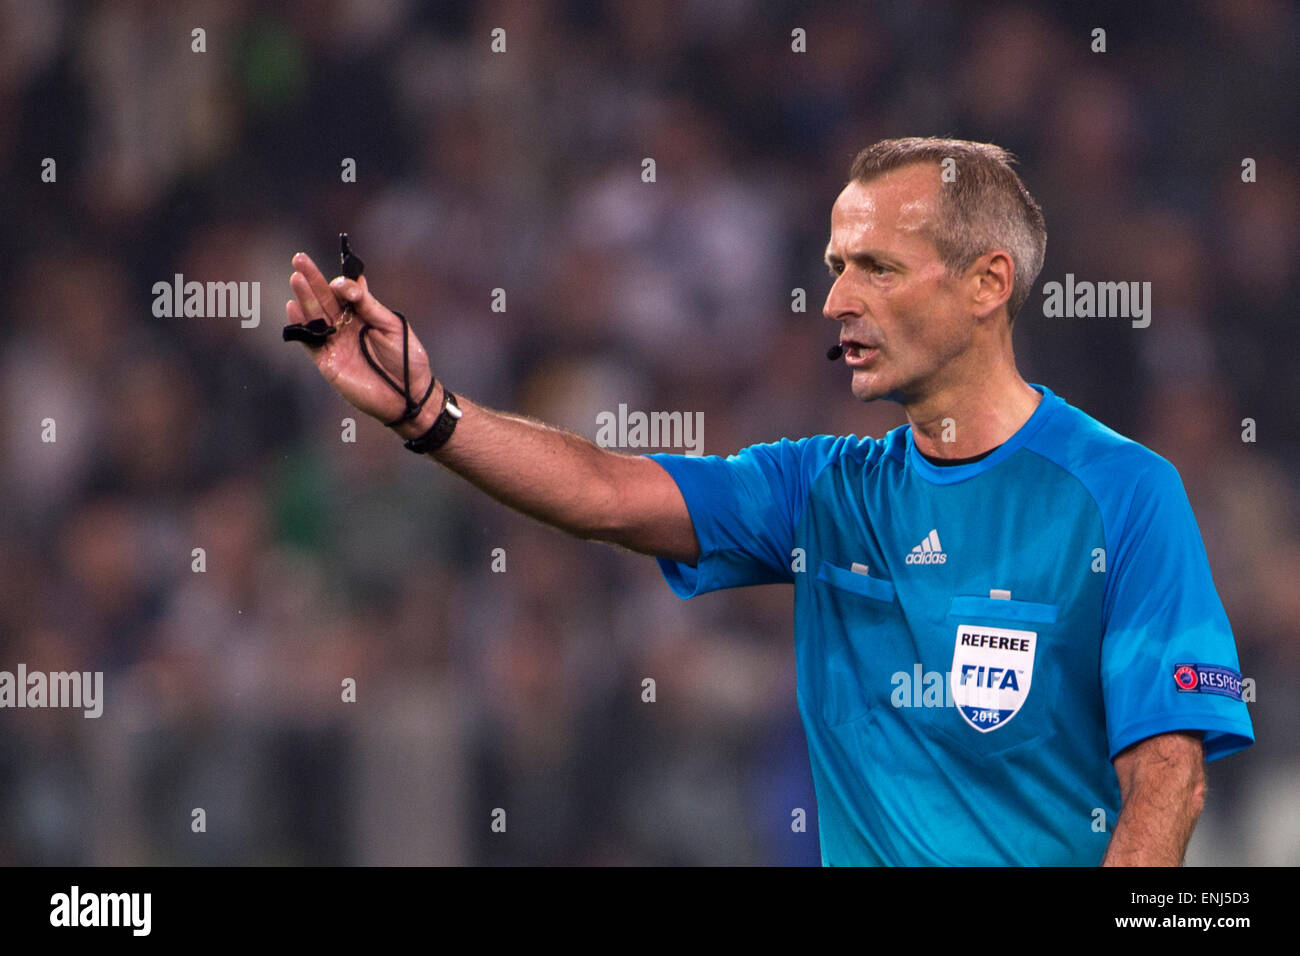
[(547, 473)]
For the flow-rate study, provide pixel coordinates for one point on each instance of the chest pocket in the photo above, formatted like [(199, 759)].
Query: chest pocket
[(1003, 697), (856, 652)]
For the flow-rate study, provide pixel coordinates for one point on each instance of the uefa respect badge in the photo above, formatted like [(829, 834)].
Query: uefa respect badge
[(1208, 679), (992, 670)]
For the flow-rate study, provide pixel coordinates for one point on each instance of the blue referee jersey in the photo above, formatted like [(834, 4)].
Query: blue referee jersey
[(975, 643)]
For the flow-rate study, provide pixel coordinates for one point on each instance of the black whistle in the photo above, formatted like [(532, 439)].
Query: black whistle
[(314, 333), (352, 264)]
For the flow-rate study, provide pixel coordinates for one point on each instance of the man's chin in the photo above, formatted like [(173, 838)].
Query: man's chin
[(871, 388)]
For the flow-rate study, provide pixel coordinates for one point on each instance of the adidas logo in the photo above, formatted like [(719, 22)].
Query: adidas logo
[(929, 551)]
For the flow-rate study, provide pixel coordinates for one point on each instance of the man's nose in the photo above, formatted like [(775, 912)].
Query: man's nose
[(841, 304)]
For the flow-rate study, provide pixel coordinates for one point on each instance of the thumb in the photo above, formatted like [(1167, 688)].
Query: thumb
[(357, 294)]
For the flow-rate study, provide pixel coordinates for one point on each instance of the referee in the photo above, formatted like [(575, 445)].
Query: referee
[(1009, 646)]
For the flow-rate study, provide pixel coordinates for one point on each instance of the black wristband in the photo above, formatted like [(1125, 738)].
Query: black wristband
[(441, 429)]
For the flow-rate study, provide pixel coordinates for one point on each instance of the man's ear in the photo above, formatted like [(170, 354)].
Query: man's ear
[(995, 275)]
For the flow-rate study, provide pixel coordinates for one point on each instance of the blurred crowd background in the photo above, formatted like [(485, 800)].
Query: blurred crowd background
[(522, 171)]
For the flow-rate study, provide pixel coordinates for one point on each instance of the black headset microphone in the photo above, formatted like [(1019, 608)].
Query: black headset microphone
[(835, 352)]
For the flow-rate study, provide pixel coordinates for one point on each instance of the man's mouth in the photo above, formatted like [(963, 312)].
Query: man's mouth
[(858, 353)]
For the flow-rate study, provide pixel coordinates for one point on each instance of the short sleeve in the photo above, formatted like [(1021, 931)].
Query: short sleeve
[(744, 508), (1168, 658)]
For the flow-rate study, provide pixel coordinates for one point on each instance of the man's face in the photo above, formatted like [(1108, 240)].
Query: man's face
[(892, 295)]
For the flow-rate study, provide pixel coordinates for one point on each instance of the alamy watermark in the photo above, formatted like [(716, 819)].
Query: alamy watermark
[(922, 688), (129, 910), (938, 688), (212, 300), (77, 689), (638, 429), (1102, 300)]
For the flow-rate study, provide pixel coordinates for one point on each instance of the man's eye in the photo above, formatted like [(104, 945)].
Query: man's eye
[(873, 269)]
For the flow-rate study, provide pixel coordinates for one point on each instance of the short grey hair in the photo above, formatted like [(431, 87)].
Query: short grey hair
[(986, 207)]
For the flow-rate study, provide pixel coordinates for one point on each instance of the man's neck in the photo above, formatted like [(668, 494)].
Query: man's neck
[(968, 419)]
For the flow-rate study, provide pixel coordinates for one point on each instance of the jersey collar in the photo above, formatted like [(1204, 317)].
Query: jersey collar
[(951, 474)]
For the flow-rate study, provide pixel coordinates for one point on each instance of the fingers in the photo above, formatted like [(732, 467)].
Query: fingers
[(366, 306), (306, 299), (309, 280), (316, 298)]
